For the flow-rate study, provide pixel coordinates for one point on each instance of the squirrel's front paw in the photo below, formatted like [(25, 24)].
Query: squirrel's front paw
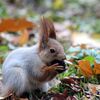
[(52, 68)]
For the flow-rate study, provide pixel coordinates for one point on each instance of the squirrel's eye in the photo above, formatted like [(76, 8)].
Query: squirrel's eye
[(52, 50)]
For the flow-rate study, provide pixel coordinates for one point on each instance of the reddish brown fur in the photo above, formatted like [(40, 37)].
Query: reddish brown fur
[(49, 73), (47, 31), (51, 29)]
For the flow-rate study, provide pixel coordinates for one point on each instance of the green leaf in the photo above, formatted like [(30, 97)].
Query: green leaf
[(90, 59), (3, 48)]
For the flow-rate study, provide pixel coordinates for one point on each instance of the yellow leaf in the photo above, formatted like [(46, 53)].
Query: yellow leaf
[(23, 37), (85, 68), (58, 4)]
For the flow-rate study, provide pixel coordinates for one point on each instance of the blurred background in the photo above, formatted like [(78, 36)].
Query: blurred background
[(76, 22), (77, 25)]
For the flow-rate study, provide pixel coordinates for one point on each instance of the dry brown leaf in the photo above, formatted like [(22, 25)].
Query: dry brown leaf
[(23, 99), (83, 46), (14, 25), (96, 68)]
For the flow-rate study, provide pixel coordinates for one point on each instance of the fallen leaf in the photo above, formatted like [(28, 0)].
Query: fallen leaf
[(59, 96), (67, 80), (72, 84), (96, 68), (23, 38), (14, 25), (90, 59), (24, 99), (83, 46), (85, 68), (71, 98)]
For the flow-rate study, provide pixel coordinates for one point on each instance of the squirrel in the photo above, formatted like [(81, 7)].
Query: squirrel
[(28, 68)]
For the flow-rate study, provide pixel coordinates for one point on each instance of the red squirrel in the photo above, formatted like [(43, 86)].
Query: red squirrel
[(28, 68)]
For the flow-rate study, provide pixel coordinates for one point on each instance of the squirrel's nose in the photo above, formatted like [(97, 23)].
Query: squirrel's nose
[(64, 57)]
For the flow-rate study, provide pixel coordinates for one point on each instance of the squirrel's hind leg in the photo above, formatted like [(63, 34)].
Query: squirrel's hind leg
[(14, 80)]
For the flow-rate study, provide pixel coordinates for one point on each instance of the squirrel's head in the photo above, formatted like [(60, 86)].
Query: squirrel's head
[(49, 48)]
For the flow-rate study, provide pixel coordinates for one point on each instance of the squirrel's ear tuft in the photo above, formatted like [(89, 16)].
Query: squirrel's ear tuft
[(51, 29), (44, 33), (47, 31)]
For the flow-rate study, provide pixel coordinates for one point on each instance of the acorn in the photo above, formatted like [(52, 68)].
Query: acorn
[(60, 63)]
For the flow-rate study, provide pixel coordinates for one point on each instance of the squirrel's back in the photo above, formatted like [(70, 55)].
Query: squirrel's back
[(24, 56)]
